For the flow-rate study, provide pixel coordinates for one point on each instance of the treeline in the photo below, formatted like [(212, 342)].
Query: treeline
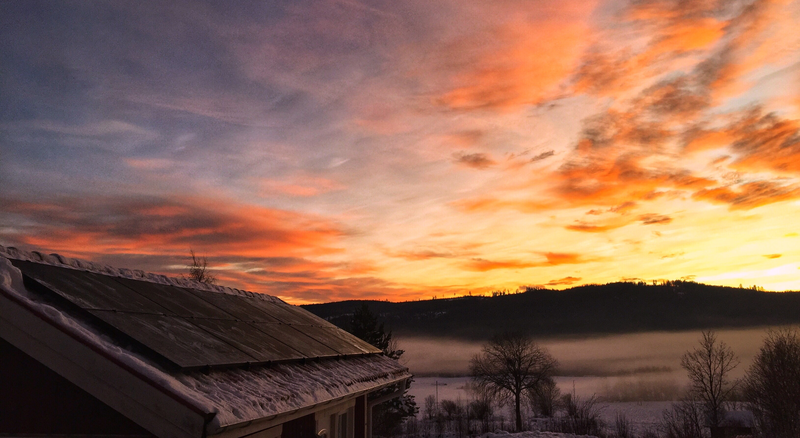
[(593, 309)]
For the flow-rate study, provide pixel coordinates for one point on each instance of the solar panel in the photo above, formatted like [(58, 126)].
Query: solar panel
[(88, 290), (195, 328), (308, 346), (359, 343), (343, 343), (242, 308), (245, 337), (174, 338), (176, 300), (289, 314)]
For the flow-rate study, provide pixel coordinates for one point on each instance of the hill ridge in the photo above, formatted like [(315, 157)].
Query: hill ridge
[(610, 308)]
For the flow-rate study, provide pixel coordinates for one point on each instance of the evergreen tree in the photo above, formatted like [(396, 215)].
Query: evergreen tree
[(386, 417)]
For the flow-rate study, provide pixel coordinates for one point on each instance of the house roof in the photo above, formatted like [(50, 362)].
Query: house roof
[(232, 357)]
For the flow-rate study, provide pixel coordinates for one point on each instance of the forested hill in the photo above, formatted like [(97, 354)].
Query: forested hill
[(594, 309)]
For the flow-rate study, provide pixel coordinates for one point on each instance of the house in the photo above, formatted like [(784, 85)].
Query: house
[(92, 350)]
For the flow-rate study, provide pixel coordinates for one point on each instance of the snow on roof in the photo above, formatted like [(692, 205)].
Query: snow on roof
[(234, 395), (533, 434), (266, 391), (133, 274)]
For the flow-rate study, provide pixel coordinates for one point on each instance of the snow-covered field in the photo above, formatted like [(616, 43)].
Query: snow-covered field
[(530, 435), (642, 415)]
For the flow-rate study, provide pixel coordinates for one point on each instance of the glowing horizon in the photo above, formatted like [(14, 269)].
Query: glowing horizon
[(323, 151)]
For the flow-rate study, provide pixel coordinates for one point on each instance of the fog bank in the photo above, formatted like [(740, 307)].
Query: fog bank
[(655, 354)]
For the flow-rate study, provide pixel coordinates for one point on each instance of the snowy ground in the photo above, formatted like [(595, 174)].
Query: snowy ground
[(642, 415), (531, 435)]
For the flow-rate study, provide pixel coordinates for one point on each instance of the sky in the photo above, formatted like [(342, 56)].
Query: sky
[(341, 149)]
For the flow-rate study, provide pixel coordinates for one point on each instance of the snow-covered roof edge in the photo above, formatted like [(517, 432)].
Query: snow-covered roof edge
[(11, 284), (133, 274)]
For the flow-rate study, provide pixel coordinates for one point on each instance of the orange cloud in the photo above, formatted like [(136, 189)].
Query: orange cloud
[(696, 140), (757, 37), (760, 142), (657, 36), (592, 228), (556, 258), (488, 204), (552, 259), (671, 29), (690, 35), (748, 195), (515, 65), (566, 281), (652, 219), (482, 265), (419, 255), (604, 181), (623, 208), (673, 101), (766, 142)]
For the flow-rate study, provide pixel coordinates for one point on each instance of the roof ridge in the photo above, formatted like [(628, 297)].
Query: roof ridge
[(59, 260)]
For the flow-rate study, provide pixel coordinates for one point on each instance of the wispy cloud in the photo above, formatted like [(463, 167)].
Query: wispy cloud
[(551, 259), (566, 281), (475, 160), (652, 218)]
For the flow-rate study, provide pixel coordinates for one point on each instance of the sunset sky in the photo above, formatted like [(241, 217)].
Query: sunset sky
[(328, 150)]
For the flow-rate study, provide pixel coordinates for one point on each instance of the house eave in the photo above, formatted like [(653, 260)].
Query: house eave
[(253, 426), (164, 414)]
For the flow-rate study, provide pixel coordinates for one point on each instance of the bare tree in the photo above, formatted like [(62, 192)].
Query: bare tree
[(510, 365), (198, 270), (709, 367), (683, 420), (623, 426), (481, 410), (772, 385), (544, 397)]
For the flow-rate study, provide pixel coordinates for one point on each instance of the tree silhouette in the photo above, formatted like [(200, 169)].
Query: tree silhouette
[(709, 367), (198, 270), (364, 325), (772, 385), (511, 365)]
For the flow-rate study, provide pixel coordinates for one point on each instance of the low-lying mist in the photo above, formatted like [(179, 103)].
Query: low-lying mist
[(641, 366)]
